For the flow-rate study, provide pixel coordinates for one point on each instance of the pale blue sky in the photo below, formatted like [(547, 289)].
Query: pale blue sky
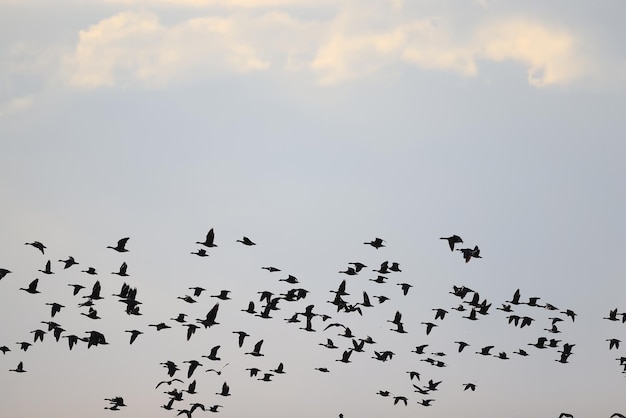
[(312, 127)]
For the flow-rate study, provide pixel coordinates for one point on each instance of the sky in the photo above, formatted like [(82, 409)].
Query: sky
[(314, 127)]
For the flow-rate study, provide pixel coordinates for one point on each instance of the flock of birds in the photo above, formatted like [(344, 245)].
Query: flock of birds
[(178, 377)]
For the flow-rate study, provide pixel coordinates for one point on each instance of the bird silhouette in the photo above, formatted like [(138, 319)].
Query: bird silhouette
[(257, 349), (454, 239), (32, 287), (4, 272), (246, 241), (376, 243), (37, 245), (19, 368), (225, 390), (208, 241), (121, 245)]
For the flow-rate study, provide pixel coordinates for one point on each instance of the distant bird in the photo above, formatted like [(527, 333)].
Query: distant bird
[(133, 335), (271, 269), (565, 415), (345, 357), (242, 335), (211, 316), (214, 408), (470, 386), (193, 365), (246, 241), (19, 368), (266, 377), (397, 399), (208, 241), (405, 287), (225, 390), (462, 345), (377, 243), (223, 295), (32, 287), (454, 239), (613, 343), (322, 369), (160, 326), (429, 326), (47, 269), (77, 288), (485, 350), (468, 253), (257, 349), (69, 262), (121, 245), (213, 354), (55, 308), (37, 245), (4, 272), (4, 349), (90, 270), (122, 270), (426, 402), (200, 253)]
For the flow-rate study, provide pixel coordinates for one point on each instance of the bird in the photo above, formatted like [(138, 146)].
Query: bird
[(37, 245), (345, 357), (168, 382), (377, 243), (470, 386), (565, 415), (55, 308), (4, 272), (213, 354), (32, 287), (121, 245), (454, 239), (242, 335), (246, 241), (468, 253), (90, 270), (69, 262), (225, 390), (122, 270), (200, 253), (208, 241), (257, 349), (429, 326), (193, 365), (209, 321), (613, 343), (77, 288), (19, 368), (47, 269)]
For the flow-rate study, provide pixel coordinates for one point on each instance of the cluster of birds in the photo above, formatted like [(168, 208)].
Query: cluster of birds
[(469, 305)]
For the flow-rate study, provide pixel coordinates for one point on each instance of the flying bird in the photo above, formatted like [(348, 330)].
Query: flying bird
[(121, 245), (454, 239), (208, 241)]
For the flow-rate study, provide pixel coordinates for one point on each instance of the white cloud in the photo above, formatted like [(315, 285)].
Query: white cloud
[(136, 47)]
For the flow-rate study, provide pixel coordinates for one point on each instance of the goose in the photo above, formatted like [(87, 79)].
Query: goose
[(225, 390), (69, 262), (32, 287), (19, 368), (133, 335), (55, 308), (454, 239), (208, 241), (121, 245), (256, 352), (200, 253), (122, 270), (37, 245), (246, 241), (377, 243), (47, 269), (4, 272)]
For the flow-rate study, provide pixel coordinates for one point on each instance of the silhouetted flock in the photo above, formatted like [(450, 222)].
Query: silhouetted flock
[(421, 386)]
